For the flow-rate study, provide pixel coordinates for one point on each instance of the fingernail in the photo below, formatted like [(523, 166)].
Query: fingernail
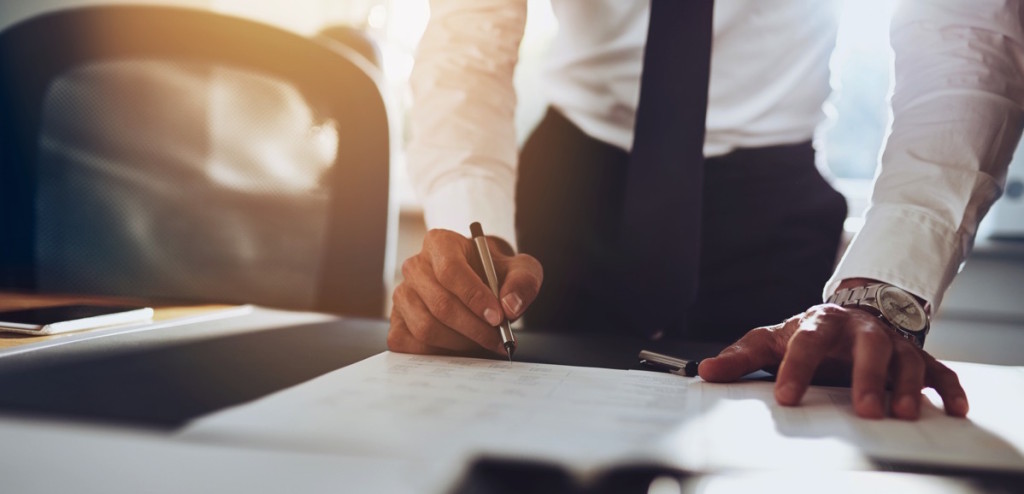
[(492, 316), (871, 403), (906, 405), (788, 394), (513, 303)]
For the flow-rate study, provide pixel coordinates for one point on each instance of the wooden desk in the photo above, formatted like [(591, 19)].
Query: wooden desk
[(14, 301)]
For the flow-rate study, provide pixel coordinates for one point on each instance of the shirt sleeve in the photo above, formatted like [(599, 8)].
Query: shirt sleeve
[(462, 156), (957, 117)]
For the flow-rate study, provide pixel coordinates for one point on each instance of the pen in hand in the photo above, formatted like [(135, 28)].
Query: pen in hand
[(508, 340)]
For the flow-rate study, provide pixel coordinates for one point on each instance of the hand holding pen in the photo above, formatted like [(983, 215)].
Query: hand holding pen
[(443, 306), (483, 249)]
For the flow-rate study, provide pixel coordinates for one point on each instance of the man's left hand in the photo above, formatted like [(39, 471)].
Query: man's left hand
[(834, 344)]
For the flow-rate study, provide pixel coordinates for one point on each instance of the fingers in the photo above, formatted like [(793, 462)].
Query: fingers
[(443, 305), (827, 339), (436, 316), (522, 276), (448, 255), (945, 382), (400, 339), (908, 374), (756, 350), (424, 326), (815, 336), (872, 350)]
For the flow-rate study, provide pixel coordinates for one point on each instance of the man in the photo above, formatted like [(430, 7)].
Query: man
[(767, 224)]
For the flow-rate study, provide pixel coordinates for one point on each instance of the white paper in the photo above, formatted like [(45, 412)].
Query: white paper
[(444, 408), (447, 409), (740, 425), (49, 456)]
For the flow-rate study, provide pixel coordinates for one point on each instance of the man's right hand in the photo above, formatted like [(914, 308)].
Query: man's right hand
[(443, 306)]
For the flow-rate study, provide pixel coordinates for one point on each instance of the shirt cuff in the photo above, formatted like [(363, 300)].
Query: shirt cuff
[(905, 247), (453, 206)]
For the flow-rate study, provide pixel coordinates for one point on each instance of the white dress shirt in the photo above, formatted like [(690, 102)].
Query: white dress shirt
[(956, 106)]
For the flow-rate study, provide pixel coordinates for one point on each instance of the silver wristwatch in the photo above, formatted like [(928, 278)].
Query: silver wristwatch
[(899, 309)]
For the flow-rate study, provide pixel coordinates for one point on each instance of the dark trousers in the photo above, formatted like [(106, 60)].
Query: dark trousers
[(770, 232)]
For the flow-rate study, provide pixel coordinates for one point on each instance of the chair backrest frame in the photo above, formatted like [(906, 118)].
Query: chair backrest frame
[(35, 52)]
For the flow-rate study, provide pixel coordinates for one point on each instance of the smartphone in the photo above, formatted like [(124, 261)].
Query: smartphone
[(65, 318)]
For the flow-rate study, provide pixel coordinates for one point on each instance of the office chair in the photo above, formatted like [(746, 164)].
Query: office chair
[(87, 205)]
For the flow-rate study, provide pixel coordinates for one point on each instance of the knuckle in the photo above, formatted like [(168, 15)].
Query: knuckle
[(441, 239), (421, 329), (820, 316), (446, 271), (826, 314), (829, 310), (409, 267), (862, 318), (401, 291), (476, 297), (443, 307), (395, 341), (397, 338), (875, 333), (434, 236), (401, 295), (807, 336), (910, 359), (760, 339), (794, 320), (760, 334)]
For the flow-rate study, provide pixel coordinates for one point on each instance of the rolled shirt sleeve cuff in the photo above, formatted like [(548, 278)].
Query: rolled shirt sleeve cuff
[(454, 205), (907, 248)]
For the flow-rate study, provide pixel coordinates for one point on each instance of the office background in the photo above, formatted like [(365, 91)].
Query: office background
[(978, 317)]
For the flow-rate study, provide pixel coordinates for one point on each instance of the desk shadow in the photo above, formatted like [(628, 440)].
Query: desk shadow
[(165, 387)]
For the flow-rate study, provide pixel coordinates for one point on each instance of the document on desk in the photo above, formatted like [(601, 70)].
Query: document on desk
[(449, 409)]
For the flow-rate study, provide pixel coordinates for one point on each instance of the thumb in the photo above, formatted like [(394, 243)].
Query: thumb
[(753, 352), (522, 279)]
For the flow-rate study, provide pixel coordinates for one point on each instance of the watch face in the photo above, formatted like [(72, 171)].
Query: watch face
[(902, 309)]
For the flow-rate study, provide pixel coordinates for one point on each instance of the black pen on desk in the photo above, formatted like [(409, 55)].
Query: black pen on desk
[(508, 340), (669, 364)]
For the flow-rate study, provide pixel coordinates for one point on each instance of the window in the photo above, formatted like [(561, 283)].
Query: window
[(861, 78)]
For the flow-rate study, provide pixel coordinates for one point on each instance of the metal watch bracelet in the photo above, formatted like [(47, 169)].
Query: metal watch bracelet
[(866, 297)]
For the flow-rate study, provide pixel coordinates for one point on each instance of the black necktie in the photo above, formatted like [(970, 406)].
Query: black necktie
[(660, 231)]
